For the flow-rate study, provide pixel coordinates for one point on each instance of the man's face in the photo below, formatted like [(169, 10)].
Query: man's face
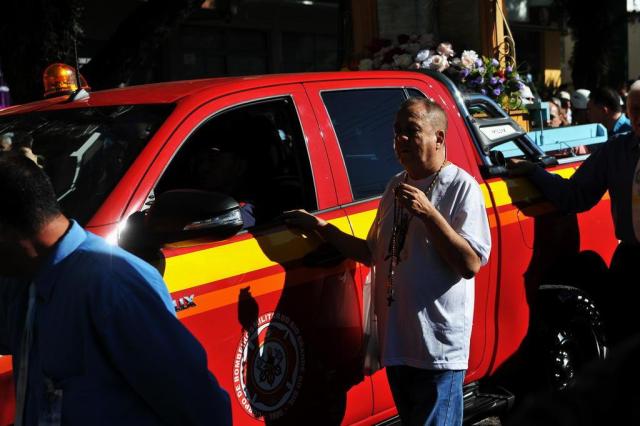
[(596, 113), (14, 254), (415, 139), (554, 116), (633, 111)]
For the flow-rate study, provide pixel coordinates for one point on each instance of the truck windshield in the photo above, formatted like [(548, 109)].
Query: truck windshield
[(85, 151)]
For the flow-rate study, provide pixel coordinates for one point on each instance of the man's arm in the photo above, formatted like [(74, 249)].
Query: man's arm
[(451, 246), (156, 354), (574, 195), (348, 245)]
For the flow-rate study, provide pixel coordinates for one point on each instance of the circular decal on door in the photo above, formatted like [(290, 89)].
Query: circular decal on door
[(268, 367)]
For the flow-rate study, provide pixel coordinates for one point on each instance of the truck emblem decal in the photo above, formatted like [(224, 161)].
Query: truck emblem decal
[(269, 367), (185, 302)]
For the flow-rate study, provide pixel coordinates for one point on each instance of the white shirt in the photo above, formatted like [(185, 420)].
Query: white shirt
[(429, 324)]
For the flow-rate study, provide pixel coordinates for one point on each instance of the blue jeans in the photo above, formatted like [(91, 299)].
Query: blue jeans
[(427, 397)]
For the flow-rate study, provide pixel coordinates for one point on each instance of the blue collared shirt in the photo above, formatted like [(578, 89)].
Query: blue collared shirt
[(609, 168), (622, 125), (107, 342)]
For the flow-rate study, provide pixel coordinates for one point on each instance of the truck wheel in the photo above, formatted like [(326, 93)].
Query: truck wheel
[(568, 334)]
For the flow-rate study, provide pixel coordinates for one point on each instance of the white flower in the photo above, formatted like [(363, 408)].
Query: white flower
[(468, 59), (365, 65), (445, 49), (422, 55), (402, 61), (437, 63)]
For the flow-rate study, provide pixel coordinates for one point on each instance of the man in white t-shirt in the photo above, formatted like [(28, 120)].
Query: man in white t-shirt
[(428, 240)]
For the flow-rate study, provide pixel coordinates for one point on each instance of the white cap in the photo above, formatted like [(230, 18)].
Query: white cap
[(564, 96), (579, 98), (526, 95)]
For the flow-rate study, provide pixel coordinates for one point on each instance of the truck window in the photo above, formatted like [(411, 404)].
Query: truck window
[(415, 93), (363, 122), (85, 151), (254, 153)]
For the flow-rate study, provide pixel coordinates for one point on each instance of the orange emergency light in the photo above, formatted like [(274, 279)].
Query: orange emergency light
[(60, 79)]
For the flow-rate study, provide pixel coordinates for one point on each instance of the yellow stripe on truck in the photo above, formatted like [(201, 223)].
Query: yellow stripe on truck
[(512, 190), (217, 263)]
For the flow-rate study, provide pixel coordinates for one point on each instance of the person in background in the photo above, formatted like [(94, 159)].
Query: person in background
[(6, 142), (579, 101), (91, 328), (554, 116), (605, 107), (614, 167), (566, 114), (429, 239), (526, 95)]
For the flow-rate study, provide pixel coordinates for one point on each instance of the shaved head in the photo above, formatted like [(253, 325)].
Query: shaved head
[(431, 112)]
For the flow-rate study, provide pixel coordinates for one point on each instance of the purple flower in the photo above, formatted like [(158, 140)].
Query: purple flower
[(509, 69), (484, 92), (496, 92), (494, 62), (520, 85), (464, 73), (481, 70), (493, 81), (478, 80), (478, 62)]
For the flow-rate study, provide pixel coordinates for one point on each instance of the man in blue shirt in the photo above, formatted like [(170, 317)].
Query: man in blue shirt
[(91, 328), (605, 107), (614, 167)]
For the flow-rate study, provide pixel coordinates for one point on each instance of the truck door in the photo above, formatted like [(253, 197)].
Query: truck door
[(356, 118), (277, 312)]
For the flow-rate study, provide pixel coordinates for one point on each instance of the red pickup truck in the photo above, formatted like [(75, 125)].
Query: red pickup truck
[(280, 314)]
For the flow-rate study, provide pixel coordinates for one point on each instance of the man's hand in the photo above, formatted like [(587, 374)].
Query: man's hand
[(518, 167), (303, 220), (350, 246), (414, 200)]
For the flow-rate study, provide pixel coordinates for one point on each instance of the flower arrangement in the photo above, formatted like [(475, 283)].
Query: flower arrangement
[(471, 72)]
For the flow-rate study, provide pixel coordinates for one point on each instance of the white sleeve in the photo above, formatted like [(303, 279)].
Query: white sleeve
[(470, 220)]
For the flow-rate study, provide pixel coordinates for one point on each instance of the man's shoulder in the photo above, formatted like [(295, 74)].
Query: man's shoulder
[(111, 259), (458, 177)]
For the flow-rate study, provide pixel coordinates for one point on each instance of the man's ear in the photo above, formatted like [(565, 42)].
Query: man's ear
[(440, 136)]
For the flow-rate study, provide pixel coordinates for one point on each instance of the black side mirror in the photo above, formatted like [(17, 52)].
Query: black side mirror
[(187, 214)]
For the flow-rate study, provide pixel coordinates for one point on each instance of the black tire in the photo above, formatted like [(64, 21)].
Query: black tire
[(568, 334)]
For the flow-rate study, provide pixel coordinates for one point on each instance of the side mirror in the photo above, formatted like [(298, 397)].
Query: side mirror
[(187, 214)]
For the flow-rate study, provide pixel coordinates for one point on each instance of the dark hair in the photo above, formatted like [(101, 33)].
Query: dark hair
[(606, 96), (28, 198), (434, 113)]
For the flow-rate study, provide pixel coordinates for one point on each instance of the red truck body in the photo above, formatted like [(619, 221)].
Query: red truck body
[(244, 290)]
